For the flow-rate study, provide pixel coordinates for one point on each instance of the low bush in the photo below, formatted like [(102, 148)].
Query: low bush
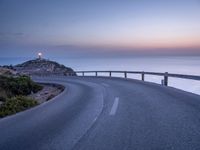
[(13, 92), (16, 104), (22, 85)]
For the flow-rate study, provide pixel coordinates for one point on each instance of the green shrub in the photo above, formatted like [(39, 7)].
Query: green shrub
[(36, 87), (22, 85), (3, 95), (16, 104), (11, 88)]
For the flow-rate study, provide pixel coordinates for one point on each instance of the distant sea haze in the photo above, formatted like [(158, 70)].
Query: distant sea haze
[(172, 64)]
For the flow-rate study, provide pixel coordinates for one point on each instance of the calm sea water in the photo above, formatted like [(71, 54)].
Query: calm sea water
[(171, 64)]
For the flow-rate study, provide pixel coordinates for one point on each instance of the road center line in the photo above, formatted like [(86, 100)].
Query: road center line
[(114, 107)]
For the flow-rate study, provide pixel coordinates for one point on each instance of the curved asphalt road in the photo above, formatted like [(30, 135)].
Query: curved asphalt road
[(106, 114)]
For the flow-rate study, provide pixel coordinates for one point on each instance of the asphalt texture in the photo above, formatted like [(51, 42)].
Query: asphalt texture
[(103, 113)]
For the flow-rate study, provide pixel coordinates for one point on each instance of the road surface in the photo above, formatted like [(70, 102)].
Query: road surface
[(96, 113)]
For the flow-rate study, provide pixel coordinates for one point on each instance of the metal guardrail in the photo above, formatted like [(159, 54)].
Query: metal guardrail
[(166, 75)]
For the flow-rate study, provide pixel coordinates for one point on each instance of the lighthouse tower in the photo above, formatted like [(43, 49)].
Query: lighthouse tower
[(39, 55)]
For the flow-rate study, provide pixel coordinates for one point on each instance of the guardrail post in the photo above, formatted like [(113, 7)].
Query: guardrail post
[(125, 74), (82, 73), (110, 74), (96, 74), (162, 82), (142, 76), (166, 79)]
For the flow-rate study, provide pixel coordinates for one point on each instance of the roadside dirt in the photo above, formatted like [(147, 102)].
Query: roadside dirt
[(48, 92)]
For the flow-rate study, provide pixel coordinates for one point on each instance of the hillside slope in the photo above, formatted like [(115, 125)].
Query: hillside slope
[(43, 67)]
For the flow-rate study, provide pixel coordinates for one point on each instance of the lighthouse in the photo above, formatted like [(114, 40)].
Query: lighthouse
[(39, 55)]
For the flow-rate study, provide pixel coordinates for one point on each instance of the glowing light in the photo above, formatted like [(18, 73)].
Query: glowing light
[(40, 55)]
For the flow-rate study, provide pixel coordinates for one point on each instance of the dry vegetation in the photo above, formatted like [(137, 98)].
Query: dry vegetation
[(14, 92)]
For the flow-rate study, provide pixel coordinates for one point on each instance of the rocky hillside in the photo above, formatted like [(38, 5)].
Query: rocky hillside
[(6, 71), (43, 67)]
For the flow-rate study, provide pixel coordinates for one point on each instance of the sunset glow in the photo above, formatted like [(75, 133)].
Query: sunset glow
[(133, 25)]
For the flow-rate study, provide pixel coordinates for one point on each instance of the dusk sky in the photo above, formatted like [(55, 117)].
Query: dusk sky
[(89, 27)]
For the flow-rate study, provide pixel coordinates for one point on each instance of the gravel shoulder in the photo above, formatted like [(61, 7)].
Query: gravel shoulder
[(48, 92)]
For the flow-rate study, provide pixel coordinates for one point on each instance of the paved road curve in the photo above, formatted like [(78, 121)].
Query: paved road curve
[(106, 114)]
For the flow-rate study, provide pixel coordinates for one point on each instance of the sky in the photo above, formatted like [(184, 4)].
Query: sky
[(89, 28)]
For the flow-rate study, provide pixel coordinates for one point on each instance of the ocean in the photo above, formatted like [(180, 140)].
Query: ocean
[(173, 64)]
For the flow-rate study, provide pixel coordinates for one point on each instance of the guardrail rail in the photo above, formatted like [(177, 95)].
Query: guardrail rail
[(164, 81)]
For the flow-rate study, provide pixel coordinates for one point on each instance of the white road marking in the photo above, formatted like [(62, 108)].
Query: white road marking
[(105, 84), (114, 107)]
